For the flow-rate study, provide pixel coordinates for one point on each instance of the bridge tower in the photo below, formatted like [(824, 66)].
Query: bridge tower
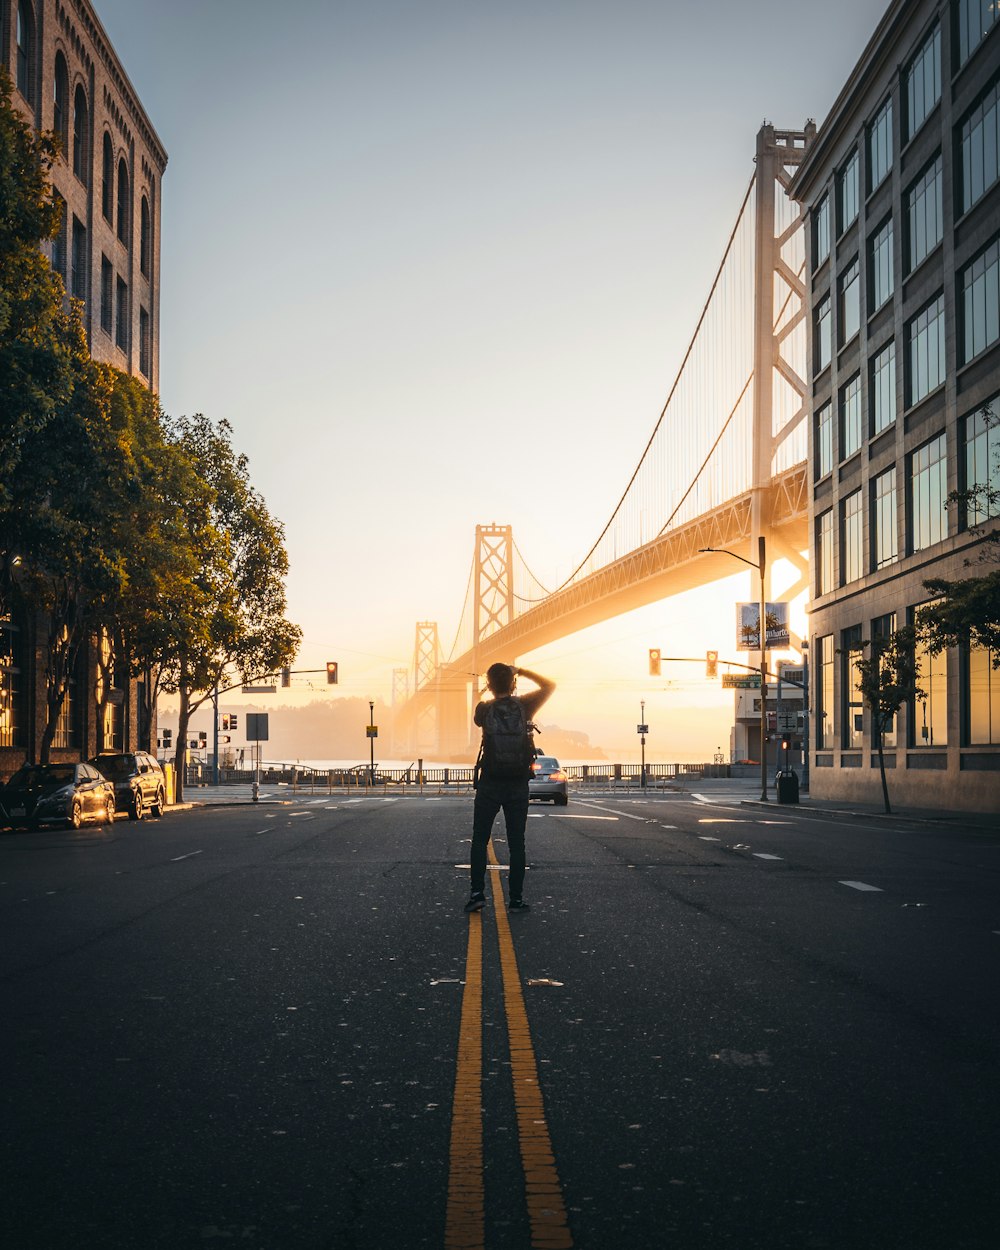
[(426, 658), (780, 396)]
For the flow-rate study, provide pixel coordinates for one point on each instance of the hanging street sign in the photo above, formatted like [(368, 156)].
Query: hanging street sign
[(741, 681)]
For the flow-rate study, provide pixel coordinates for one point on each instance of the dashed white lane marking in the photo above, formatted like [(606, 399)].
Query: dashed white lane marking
[(668, 826), (257, 832), (761, 855), (177, 858), (627, 815), (390, 800), (774, 822), (354, 801), (722, 820), (577, 816), (704, 838), (301, 815), (861, 885)]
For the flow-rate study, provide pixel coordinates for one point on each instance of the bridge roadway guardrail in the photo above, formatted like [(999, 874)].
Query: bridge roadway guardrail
[(451, 779)]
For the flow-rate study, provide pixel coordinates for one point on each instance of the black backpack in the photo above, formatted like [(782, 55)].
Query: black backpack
[(507, 749)]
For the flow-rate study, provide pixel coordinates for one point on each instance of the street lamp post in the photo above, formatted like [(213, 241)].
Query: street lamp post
[(761, 567), (642, 740), (371, 740)]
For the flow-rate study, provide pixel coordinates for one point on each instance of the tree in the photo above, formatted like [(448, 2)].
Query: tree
[(40, 338), (886, 680), (967, 610), (234, 623)]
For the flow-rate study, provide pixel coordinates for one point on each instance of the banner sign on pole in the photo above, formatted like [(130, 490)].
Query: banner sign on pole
[(748, 626)]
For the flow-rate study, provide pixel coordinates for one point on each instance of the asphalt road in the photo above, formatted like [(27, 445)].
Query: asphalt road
[(273, 1027)]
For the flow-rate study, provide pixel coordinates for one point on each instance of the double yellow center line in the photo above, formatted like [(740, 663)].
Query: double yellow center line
[(465, 1220)]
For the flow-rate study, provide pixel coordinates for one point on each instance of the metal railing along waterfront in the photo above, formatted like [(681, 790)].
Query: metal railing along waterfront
[(451, 779)]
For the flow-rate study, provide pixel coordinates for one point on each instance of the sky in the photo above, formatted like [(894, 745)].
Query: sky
[(438, 264)]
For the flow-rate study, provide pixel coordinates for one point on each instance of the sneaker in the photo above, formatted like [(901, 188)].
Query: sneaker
[(476, 902), (518, 904)]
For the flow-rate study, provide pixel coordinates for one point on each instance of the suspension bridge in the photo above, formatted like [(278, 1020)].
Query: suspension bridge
[(725, 465)]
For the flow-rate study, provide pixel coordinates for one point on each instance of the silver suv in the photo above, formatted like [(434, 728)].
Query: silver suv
[(138, 782)]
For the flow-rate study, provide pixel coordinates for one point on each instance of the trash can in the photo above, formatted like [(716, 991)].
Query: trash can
[(787, 785)]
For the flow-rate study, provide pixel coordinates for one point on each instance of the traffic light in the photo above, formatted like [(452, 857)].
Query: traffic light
[(233, 720), (286, 676), (203, 738), (711, 663), (654, 661), (225, 722), (331, 672), (167, 735), (225, 738)]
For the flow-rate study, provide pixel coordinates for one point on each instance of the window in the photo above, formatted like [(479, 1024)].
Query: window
[(108, 179), (65, 733), (825, 727), (60, 101), (851, 539), (11, 722), (848, 187), (144, 238), (929, 722), (850, 417), (821, 231), (81, 136), (59, 242), (123, 201), (928, 491), (25, 38), (880, 266), (982, 465), (979, 287), (121, 315), (880, 146), (982, 697), (107, 295), (823, 344), (824, 440), (78, 280), (854, 707), (882, 388), (980, 149), (883, 627), (849, 309), (824, 552), (923, 82), (975, 21), (924, 216), (925, 351), (144, 342), (885, 539)]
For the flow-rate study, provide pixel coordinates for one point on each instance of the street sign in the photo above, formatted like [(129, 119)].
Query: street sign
[(642, 729), (741, 681), (256, 726), (259, 689), (371, 731)]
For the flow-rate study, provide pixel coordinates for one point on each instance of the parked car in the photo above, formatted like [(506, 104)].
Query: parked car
[(138, 782), (39, 793), (548, 781)]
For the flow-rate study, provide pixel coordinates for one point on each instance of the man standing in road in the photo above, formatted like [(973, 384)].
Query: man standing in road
[(502, 773)]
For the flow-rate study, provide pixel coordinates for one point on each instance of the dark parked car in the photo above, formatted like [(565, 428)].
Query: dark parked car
[(39, 793), (548, 781), (138, 782)]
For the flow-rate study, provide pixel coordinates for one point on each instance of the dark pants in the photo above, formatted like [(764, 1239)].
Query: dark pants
[(491, 796)]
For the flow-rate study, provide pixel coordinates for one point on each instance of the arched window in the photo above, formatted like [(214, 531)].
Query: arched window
[(144, 238), (108, 180), (81, 136), (60, 102), (25, 49), (123, 202)]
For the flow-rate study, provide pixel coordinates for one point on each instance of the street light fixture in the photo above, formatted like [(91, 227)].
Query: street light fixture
[(761, 567)]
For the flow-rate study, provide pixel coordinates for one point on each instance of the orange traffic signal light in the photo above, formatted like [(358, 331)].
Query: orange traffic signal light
[(711, 663), (331, 672), (654, 661)]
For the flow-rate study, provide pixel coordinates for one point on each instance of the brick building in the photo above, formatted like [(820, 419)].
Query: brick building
[(68, 79), (902, 191)]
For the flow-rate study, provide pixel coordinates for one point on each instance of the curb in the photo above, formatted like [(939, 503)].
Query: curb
[(838, 813)]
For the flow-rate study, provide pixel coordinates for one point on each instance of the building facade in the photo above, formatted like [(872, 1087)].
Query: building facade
[(903, 265), (68, 79)]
